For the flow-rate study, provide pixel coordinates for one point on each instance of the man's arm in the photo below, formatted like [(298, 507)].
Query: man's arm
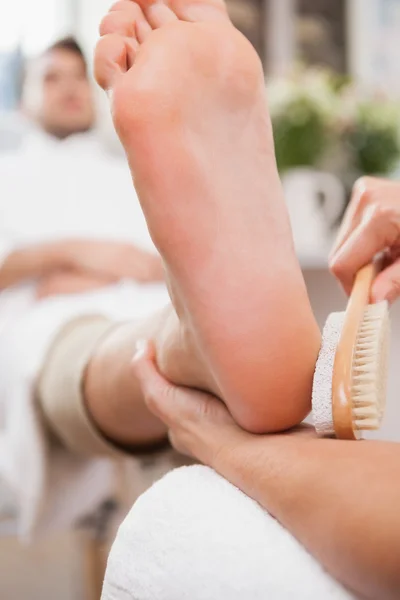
[(341, 500), (106, 261), (33, 262)]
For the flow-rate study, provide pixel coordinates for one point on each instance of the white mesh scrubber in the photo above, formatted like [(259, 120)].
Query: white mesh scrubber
[(322, 385)]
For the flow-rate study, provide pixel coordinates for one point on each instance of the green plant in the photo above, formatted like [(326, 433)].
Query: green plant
[(320, 119), (302, 107), (373, 137), (301, 134)]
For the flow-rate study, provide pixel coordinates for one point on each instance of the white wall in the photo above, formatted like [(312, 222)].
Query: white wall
[(88, 15), (33, 25), (280, 31), (373, 33)]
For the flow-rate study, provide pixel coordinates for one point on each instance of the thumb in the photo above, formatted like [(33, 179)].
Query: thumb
[(154, 387), (387, 284), (168, 402)]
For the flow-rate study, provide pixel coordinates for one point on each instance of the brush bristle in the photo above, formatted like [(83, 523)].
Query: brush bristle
[(370, 368)]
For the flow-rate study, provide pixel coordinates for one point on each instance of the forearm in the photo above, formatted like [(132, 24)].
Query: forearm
[(33, 263), (341, 500)]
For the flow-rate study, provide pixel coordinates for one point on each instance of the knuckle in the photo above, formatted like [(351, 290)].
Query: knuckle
[(396, 285), (366, 197), (205, 410), (365, 183), (336, 267), (360, 184), (202, 411), (393, 285), (385, 222), (153, 394), (383, 213), (365, 190), (175, 441)]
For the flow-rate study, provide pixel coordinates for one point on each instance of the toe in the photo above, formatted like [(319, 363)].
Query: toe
[(114, 55), (158, 13), (143, 30), (200, 10), (127, 19), (118, 22)]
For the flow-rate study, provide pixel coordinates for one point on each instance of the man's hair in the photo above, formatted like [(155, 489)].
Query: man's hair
[(68, 44)]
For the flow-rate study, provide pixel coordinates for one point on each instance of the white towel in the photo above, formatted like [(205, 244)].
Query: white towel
[(194, 536), (52, 488)]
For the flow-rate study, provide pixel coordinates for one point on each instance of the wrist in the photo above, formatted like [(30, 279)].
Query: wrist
[(63, 254), (265, 468), (45, 258)]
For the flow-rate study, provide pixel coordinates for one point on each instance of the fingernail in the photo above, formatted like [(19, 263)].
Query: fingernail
[(140, 349)]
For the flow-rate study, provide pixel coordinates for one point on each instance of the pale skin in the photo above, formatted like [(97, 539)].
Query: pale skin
[(58, 97), (57, 94), (188, 102), (77, 266), (339, 499), (354, 483), (371, 226), (347, 494)]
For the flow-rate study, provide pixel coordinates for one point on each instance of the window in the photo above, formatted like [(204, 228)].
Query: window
[(26, 28), (321, 33)]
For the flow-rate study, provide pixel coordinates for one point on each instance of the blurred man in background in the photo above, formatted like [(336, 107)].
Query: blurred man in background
[(61, 162), (57, 93), (73, 246)]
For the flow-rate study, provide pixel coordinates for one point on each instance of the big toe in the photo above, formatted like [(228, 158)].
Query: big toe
[(114, 55), (189, 10)]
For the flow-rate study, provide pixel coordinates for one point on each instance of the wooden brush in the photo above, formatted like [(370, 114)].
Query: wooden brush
[(349, 390)]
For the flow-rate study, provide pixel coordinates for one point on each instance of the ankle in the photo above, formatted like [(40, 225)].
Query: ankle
[(179, 358)]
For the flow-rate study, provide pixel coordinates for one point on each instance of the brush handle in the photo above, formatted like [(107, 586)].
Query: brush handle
[(361, 292), (343, 366)]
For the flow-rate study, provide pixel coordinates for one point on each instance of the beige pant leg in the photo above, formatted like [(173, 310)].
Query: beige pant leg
[(59, 387)]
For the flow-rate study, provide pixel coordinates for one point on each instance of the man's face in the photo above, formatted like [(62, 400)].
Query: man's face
[(58, 94)]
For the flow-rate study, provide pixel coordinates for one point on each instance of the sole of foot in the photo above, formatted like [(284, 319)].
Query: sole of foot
[(188, 100)]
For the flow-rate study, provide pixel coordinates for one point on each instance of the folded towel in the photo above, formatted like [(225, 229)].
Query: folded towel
[(194, 536)]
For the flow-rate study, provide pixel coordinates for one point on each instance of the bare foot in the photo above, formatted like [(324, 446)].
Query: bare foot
[(188, 100)]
